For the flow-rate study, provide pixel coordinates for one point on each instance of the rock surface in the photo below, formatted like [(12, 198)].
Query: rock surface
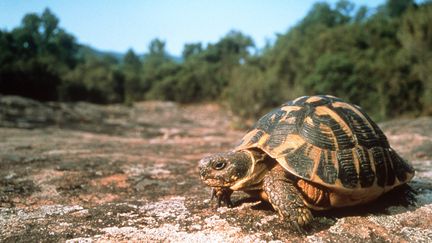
[(82, 173)]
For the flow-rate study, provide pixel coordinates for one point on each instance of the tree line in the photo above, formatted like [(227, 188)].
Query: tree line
[(380, 59)]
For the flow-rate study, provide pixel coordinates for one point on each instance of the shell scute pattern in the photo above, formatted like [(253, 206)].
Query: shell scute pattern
[(330, 142), (366, 174), (326, 169), (377, 156), (400, 166), (300, 161), (366, 132), (347, 170)]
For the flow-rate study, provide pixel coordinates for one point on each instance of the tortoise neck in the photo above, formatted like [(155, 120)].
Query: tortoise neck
[(261, 163)]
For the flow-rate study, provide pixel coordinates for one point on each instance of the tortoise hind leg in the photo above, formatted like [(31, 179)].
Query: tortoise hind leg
[(286, 199)]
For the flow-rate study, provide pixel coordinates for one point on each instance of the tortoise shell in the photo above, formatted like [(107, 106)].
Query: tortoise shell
[(329, 142)]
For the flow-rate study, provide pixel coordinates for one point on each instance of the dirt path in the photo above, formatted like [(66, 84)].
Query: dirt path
[(93, 173)]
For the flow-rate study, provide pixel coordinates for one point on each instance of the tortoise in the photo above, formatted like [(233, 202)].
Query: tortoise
[(315, 152)]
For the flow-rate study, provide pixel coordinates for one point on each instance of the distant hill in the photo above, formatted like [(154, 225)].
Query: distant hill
[(88, 50), (177, 59)]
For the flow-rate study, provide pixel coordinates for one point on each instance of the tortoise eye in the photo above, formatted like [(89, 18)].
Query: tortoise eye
[(219, 165)]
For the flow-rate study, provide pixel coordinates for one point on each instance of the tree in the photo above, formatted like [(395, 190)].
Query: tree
[(379, 60), (95, 80), (322, 13), (36, 55), (191, 49), (132, 68), (361, 14), (131, 61), (395, 8), (156, 67), (157, 48), (415, 35)]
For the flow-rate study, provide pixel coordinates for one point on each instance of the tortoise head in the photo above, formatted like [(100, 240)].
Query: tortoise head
[(225, 169), (229, 169)]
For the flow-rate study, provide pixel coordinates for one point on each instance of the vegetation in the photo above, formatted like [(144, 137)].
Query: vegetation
[(381, 60)]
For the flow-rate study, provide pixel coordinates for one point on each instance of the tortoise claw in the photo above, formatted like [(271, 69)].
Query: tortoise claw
[(298, 228), (213, 194), (222, 195)]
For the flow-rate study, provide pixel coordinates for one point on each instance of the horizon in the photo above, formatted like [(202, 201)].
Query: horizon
[(172, 22)]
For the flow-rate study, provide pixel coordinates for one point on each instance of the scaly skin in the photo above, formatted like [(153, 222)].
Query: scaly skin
[(286, 199), (222, 171)]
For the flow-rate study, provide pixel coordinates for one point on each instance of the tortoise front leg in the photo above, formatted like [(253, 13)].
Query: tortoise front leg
[(222, 194), (286, 199)]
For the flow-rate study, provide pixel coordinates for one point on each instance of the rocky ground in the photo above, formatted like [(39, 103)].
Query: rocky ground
[(83, 173)]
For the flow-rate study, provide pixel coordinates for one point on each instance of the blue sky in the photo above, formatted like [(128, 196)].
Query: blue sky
[(119, 25)]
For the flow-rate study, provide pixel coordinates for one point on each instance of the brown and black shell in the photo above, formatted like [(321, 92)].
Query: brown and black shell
[(329, 142)]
